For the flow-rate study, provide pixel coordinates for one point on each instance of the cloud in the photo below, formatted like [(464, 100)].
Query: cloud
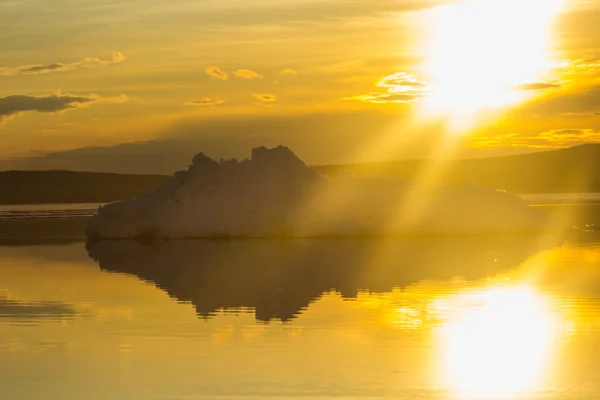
[(115, 99), (401, 82), (537, 86), (205, 102), (570, 135), (14, 105), (582, 66), (247, 74), (117, 58), (88, 62), (269, 98), (401, 87), (580, 100), (557, 138), (288, 71), (216, 73), (382, 98)]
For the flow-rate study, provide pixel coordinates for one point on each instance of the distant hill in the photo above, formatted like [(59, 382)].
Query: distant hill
[(576, 169), (38, 187)]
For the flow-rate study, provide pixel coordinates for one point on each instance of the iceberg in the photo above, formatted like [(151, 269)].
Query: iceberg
[(275, 194)]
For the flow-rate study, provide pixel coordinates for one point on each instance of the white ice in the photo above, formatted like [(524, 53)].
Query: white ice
[(275, 194)]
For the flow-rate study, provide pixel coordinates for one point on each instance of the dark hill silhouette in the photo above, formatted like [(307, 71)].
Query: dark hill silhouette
[(573, 169), (38, 187)]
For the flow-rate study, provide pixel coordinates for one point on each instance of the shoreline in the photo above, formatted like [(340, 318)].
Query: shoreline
[(72, 229)]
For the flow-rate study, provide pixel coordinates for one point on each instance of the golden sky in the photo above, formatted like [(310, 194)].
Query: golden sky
[(88, 84)]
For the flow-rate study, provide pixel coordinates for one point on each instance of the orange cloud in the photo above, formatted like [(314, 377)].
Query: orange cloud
[(557, 138), (400, 87), (216, 72), (247, 74)]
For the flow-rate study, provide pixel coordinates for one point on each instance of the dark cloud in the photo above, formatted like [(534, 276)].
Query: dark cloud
[(13, 105), (537, 86), (205, 102), (60, 67), (16, 104), (268, 98), (216, 72), (40, 69), (567, 132), (35, 69)]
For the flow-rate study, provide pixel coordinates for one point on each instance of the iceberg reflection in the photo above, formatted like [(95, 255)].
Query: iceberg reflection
[(279, 278)]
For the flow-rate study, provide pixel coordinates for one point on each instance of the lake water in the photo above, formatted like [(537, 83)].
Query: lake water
[(22, 211), (509, 317)]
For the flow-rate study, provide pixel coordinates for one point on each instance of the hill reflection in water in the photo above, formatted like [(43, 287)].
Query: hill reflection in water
[(280, 278)]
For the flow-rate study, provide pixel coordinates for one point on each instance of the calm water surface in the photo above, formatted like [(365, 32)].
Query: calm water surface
[(511, 317)]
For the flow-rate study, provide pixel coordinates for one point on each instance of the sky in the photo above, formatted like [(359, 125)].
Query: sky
[(142, 85)]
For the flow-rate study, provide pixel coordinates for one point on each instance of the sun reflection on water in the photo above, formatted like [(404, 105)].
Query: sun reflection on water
[(501, 346)]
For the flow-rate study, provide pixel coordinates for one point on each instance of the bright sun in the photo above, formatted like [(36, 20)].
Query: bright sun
[(481, 50)]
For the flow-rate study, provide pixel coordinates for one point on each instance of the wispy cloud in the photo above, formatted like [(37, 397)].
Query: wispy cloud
[(383, 98), (205, 102), (571, 135), (581, 66), (268, 98), (288, 71), (15, 105), (247, 74), (576, 100), (400, 87), (401, 82), (550, 139), (216, 72), (537, 86), (88, 62)]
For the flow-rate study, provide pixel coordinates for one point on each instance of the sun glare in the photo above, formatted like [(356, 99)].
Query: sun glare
[(481, 50), (501, 347)]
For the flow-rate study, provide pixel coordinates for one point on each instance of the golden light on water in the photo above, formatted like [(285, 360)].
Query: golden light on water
[(481, 50), (501, 347)]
